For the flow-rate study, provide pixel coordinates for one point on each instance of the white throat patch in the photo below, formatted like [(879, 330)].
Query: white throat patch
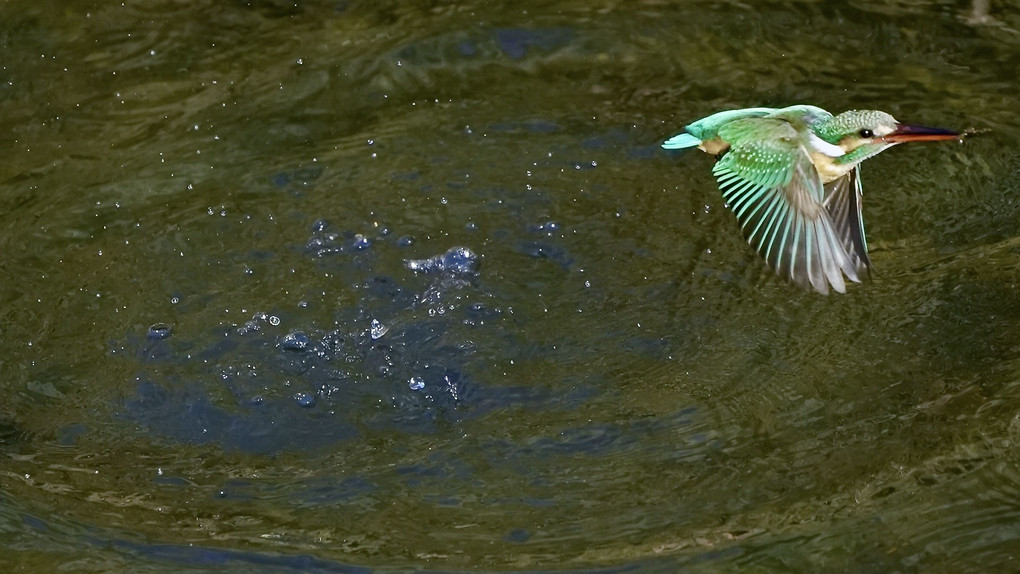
[(822, 146)]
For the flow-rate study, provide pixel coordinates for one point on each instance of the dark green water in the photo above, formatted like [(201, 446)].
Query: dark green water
[(608, 380)]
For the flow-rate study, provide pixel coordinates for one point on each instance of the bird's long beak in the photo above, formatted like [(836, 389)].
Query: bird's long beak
[(906, 133)]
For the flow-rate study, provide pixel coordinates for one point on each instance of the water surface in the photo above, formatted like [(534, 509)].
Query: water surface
[(361, 286)]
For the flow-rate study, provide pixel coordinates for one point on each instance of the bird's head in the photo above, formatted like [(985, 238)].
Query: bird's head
[(864, 133)]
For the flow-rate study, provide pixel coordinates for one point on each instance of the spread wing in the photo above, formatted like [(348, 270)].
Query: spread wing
[(843, 202), (769, 182)]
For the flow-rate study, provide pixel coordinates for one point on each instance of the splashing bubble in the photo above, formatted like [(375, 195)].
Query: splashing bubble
[(378, 329), (159, 331), (416, 383), (361, 242), (306, 400), (296, 341)]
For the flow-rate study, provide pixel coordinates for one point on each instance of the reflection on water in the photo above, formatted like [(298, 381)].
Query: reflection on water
[(347, 286)]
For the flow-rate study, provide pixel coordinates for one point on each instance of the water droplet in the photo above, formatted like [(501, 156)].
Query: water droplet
[(549, 228), (451, 387)]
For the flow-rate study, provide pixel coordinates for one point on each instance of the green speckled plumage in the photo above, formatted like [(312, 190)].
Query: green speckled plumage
[(792, 178)]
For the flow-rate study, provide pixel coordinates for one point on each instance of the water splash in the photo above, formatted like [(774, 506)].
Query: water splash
[(377, 330), (456, 261)]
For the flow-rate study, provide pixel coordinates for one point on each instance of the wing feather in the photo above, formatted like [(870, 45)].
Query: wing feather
[(843, 199), (798, 226)]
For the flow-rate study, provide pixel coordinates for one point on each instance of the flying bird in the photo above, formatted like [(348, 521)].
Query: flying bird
[(792, 176)]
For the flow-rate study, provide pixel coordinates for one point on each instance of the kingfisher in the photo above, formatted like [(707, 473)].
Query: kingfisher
[(792, 176)]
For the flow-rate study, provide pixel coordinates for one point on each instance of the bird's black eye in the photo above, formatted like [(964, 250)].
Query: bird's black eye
[(866, 133)]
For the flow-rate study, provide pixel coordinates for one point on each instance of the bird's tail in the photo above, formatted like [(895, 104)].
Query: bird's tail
[(681, 141)]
